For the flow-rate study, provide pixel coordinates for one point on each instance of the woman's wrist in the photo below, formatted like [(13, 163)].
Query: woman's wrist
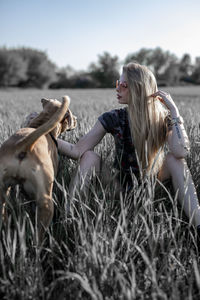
[(177, 120), (68, 149), (174, 113)]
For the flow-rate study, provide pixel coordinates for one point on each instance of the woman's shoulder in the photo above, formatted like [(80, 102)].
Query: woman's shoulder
[(113, 118), (119, 113)]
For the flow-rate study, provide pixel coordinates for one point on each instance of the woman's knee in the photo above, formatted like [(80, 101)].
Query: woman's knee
[(171, 160), (175, 165), (171, 166)]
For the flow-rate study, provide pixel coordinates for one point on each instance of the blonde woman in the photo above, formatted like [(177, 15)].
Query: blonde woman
[(149, 121)]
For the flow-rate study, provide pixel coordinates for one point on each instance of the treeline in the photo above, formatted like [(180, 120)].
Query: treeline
[(26, 67)]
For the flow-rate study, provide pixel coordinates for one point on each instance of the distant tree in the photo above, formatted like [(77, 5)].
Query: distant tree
[(186, 65), (142, 57), (12, 68), (106, 71), (69, 78), (30, 67), (171, 76), (40, 70), (61, 80), (25, 67), (160, 60), (83, 80), (186, 68), (195, 77), (156, 59)]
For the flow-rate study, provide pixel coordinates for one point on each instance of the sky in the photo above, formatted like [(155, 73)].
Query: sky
[(75, 32)]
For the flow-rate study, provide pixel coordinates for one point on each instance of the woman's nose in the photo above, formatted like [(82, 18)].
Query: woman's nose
[(118, 88)]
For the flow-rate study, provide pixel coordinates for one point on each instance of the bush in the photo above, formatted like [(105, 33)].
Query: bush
[(25, 67), (12, 68)]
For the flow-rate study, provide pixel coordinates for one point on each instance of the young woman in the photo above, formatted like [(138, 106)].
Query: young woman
[(150, 121)]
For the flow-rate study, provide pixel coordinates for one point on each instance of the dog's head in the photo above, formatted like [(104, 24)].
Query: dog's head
[(50, 106)]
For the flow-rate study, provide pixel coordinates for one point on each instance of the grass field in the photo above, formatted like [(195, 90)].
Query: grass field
[(133, 248)]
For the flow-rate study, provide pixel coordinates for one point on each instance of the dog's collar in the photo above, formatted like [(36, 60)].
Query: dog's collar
[(53, 138)]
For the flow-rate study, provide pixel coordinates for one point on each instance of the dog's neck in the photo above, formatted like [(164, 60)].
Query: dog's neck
[(53, 134)]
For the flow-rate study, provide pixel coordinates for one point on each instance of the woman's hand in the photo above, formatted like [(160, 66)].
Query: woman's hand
[(87, 142), (167, 100)]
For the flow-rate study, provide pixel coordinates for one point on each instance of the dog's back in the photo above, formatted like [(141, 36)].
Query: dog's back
[(29, 157), (24, 155), (27, 168)]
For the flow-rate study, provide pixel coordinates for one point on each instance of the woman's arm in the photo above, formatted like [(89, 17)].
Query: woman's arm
[(178, 141), (87, 142)]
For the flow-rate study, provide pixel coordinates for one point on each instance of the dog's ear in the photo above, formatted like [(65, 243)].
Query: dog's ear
[(70, 121), (44, 101)]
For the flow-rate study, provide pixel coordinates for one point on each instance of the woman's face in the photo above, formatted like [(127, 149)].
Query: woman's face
[(122, 90)]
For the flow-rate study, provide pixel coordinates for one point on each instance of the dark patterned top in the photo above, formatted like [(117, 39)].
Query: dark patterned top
[(116, 122)]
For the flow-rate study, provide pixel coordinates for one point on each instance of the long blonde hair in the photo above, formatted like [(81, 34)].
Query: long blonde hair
[(147, 117)]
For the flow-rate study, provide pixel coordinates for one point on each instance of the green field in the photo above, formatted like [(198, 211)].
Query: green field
[(111, 249)]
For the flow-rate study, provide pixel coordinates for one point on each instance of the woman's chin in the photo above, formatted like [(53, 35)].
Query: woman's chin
[(121, 101)]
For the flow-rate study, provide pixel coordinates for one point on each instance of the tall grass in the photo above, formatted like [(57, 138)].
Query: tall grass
[(140, 246)]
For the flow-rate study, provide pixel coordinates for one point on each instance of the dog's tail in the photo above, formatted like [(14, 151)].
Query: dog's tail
[(28, 142)]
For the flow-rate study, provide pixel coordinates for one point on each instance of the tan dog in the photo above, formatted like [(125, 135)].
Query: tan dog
[(29, 157)]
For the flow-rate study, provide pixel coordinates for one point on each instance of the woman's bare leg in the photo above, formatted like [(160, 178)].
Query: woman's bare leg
[(89, 163), (182, 181)]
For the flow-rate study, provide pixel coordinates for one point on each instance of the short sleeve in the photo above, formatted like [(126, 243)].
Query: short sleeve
[(110, 120)]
